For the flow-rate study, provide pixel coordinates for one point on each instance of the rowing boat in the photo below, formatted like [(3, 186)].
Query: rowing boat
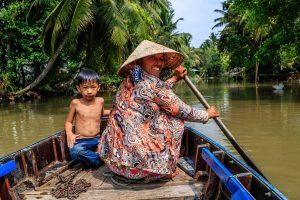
[(207, 171)]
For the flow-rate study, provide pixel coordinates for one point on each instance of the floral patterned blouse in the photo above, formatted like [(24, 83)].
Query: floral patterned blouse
[(145, 127)]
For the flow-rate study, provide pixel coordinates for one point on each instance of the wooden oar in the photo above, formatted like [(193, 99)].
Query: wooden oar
[(226, 132)]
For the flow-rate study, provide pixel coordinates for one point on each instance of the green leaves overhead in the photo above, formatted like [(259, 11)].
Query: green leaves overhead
[(118, 21), (119, 36), (82, 17), (98, 33), (54, 23), (21, 52), (115, 27)]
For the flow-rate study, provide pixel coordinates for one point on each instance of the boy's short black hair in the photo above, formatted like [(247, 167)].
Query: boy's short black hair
[(87, 75)]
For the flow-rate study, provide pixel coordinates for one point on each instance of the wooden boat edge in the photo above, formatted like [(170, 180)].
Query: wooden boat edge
[(241, 162), (267, 184)]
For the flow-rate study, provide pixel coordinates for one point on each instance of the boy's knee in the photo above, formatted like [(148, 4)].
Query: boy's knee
[(76, 150)]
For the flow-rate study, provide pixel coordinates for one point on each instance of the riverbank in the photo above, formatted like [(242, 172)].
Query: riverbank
[(112, 87), (38, 94)]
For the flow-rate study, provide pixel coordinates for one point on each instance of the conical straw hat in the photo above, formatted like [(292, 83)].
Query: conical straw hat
[(148, 48)]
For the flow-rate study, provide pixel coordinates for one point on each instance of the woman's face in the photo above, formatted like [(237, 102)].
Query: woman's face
[(153, 64)]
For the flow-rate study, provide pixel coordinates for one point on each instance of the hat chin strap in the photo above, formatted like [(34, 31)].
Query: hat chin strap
[(165, 73), (136, 73)]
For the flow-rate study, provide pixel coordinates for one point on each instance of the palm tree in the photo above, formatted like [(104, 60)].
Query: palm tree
[(102, 27), (257, 32), (227, 15), (167, 35), (166, 32), (244, 31)]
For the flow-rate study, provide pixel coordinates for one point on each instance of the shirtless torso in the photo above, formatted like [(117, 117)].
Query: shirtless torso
[(87, 117)]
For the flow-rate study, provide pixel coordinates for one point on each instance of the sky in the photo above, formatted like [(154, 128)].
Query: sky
[(198, 18)]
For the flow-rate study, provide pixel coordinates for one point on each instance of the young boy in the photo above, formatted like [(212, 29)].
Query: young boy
[(87, 112)]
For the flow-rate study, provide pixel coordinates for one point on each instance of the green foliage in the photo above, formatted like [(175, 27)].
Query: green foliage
[(166, 34), (110, 79), (213, 63), (20, 48), (5, 83), (99, 34), (262, 31), (289, 54)]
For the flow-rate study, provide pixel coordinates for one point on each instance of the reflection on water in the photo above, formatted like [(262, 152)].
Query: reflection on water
[(264, 121)]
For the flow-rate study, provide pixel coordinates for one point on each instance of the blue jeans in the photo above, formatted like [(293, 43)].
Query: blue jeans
[(84, 151)]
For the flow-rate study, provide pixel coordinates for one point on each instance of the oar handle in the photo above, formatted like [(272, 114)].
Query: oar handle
[(206, 105), (224, 129), (196, 92)]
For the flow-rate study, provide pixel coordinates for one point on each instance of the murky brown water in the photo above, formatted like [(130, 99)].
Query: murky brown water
[(265, 122)]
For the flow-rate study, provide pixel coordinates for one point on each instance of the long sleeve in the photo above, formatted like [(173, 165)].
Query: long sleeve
[(173, 105), (142, 136), (170, 83)]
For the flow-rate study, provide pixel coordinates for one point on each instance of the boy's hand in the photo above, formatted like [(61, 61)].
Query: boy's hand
[(212, 112), (71, 139)]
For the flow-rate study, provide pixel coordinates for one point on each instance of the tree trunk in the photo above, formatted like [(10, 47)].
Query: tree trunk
[(23, 79), (256, 72), (45, 71)]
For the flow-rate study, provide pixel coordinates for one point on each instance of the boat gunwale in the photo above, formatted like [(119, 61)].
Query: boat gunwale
[(28, 147), (216, 145), (240, 162), (55, 135)]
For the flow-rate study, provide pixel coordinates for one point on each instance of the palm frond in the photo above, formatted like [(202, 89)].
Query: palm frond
[(136, 15), (178, 20), (61, 22), (223, 12), (119, 36), (114, 23), (154, 12), (163, 5), (82, 17), (49, 25), (220, 24), (35, 5), (219, 19)]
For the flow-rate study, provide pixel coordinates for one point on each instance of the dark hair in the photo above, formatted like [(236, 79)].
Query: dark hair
[(87, 75)]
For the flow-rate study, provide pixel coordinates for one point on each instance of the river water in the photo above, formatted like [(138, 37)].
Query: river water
[(265, 122)]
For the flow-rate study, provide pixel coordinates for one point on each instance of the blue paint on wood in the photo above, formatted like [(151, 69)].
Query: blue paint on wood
[(241, 195), (226, 177), (7, 167)]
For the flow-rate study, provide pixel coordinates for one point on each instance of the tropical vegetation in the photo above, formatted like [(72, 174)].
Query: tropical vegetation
[(45, 43), (262, 36)]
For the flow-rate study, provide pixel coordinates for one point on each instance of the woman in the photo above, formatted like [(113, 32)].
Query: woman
[(146, 123)]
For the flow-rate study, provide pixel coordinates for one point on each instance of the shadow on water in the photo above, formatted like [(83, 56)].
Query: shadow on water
[(264, 121)]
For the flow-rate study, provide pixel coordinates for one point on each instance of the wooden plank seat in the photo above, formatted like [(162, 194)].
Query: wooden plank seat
[(181, 187)]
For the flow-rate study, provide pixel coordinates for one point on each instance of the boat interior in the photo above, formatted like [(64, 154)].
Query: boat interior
[(44, 170), (102, 187)]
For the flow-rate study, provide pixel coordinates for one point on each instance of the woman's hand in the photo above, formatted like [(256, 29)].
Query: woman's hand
[(180, 72), (212, 112)]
